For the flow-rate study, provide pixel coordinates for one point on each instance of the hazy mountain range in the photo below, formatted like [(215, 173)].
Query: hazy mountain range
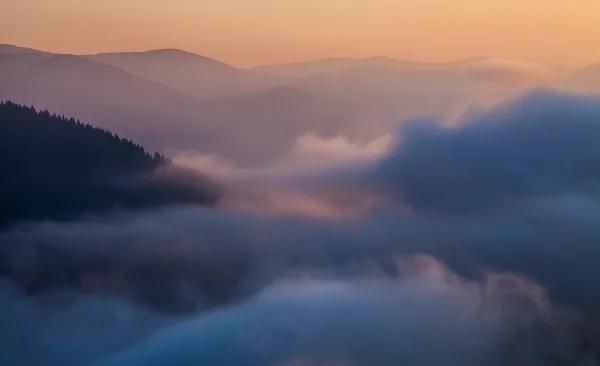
[(189, 73), (470, 238), (254, 116)]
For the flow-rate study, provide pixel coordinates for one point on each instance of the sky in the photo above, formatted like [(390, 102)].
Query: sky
[(253, 32)]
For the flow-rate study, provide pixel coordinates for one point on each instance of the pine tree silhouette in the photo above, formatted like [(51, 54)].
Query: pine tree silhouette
[(53, 167)]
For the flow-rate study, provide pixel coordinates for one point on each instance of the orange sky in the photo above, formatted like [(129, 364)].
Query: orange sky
[(251, 32)]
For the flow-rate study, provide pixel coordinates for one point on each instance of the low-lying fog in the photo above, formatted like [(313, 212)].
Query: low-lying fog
[(474, 243)]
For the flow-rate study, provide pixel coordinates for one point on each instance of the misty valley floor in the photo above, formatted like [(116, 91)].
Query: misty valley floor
[(474, 244)]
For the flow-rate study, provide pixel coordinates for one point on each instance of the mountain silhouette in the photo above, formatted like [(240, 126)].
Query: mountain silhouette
[(335, 65), (247, 127), (171, 100), (388, 91), (58, 168), (9, 48), (81, 79), (262, 126), (189, 73), (100, 94), (13, 62)]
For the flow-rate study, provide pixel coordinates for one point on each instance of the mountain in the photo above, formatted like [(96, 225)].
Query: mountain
[(247, 127), (386, 96), (189, 73), (497, 66), (11, 63), (58, 168), (148, 97), (81, 79), (9, 48), (334, 65), (256, 128), (389, 91), (15, 58), (101, 94)]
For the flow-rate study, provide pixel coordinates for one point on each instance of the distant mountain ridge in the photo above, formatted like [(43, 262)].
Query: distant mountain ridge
[(176, 101), (331, 65), (299, 68), (189, 73), (9, 48), (82, 76), (163, 118), (336, 65), (170, 52)]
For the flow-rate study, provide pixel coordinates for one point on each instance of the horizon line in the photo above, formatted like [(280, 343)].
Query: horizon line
[(338, 57)]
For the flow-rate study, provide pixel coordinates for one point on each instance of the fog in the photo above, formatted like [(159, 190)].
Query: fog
[(430, 317), (540, 145), (427, 315), (469, 244)]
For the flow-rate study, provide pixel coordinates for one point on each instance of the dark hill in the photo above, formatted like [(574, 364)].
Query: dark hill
[(58, 168)]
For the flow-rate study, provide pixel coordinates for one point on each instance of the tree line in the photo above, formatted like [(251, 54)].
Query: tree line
[(54, 167)]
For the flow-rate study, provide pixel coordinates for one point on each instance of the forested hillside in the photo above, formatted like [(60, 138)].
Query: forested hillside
[(52, 167)]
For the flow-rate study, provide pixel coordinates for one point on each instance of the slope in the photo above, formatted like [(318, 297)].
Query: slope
[(59, 168), (247, 127), (189, 73)]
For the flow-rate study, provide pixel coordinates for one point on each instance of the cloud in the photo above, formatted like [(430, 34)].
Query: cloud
[(310, 150), (305, 182), (67, 328), (206, 163), (429, 315), (425, 315), (493, 262), (301, 201), (539, 145)]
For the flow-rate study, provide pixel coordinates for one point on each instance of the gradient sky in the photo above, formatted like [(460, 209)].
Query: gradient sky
[(251, 32)]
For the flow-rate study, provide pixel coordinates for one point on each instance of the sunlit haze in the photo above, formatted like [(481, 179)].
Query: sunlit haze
[(251, 32)]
